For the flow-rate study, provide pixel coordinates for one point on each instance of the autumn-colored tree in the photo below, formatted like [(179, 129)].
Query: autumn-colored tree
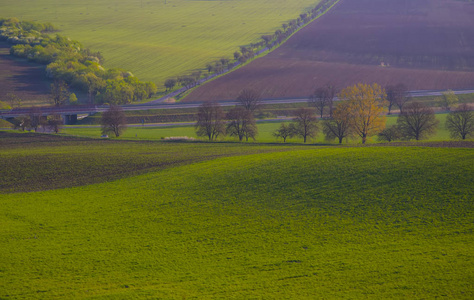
[(366, 106), (306, 123), (460, 122), (210, 121), (339, 125), (417, 121), (448, 99)]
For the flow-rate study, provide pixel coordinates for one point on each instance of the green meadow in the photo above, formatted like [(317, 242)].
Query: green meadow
[(265, 132), (160, 39), (235, 221)]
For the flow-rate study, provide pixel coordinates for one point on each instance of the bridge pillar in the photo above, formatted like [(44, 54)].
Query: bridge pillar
[(70, 119)]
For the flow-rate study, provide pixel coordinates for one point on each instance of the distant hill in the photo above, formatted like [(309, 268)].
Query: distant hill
[(160, 39)]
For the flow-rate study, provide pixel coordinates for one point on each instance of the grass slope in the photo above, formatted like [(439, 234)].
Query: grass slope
[(159, 39), (42, 161), (380, 222)]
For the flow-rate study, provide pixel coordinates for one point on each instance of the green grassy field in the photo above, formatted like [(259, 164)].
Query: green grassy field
[(265, 131), (159, 39), (309, 222)]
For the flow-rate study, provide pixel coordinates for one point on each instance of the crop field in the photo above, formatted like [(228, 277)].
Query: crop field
[(423, 44), (304, 223), (60, 161), (160, 39), (25, 80)]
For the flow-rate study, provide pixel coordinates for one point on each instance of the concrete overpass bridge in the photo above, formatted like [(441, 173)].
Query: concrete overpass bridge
[(68, 113)]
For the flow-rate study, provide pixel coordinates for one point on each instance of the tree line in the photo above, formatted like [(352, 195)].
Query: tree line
[(68, 61), (360, 113)]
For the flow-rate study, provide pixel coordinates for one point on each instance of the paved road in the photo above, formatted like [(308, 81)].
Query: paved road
[(419, 93), (90, 109)]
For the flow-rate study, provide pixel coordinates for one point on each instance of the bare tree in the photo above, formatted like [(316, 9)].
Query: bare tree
[(114, 120), (210, 121), (59, 92), (389, 134), (249, 99), (241, 123), (318, 100), (396, 95), (331, 94), (55, 123), (36, 119), (417, 121), (322, 97), (306, 123), (339, 125), (460, 122), (399, 96), (284, 131)]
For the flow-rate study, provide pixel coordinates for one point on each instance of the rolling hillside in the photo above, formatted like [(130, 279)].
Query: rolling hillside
[(361, 222)]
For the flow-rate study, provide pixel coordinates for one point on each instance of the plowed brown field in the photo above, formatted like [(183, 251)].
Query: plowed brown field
[(425, 44)]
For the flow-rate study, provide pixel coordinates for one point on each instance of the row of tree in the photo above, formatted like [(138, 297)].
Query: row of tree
[(362, 113), (36, 121), (418, 122), (239, 121), (395, 95), (67, 60)]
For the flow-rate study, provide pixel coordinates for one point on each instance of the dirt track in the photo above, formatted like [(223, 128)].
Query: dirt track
[(425, 44)]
